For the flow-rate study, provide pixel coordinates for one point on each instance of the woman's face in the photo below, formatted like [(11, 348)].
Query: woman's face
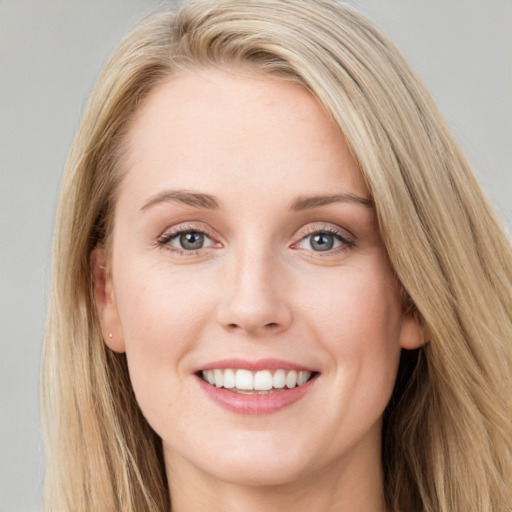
[(245, 251)]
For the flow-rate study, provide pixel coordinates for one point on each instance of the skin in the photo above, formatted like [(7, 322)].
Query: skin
[(258, 288)]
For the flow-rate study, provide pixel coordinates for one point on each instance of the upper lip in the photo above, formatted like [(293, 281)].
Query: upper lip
[(260, 364)]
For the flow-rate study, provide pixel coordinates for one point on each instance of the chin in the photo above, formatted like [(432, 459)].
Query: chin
[(249, 461), (258, 473)]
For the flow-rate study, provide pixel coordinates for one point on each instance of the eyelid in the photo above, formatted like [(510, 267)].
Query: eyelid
[(346, 238), (174, 231), (325, 227)]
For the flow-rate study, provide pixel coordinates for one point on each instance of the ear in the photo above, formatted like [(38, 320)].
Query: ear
[(412, 334), (106, 303)]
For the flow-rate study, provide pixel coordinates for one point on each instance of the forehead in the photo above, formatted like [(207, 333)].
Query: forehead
[(217, 127)]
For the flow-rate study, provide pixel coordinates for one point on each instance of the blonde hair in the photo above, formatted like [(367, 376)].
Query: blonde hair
[(447, 442)]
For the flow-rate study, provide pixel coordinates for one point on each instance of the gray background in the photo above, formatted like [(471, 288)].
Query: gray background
[(50, 54)]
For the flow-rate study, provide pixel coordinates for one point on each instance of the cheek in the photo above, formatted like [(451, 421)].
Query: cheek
[(162, 315), (357, 316), (158, 305), (361, 305), (358, 324)]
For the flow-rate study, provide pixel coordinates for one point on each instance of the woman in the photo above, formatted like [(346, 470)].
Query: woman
[(276, 281)]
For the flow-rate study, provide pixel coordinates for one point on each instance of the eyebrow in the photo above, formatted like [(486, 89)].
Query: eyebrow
[(195, 199), (207, 201), (308, 202)]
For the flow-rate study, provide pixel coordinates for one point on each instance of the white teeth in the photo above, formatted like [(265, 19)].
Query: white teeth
[(219, 378), (303, 377), (279, 379), (261, 381), (291, 379), (244, 380), (229, 379)]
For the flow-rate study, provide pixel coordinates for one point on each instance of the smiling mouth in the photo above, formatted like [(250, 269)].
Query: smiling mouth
[(262, 382)]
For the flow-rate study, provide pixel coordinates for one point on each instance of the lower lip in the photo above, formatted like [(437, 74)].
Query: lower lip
[(255, 405)]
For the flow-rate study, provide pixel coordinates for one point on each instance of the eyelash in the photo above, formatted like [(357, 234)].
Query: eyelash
[(345, 241), (164, 240)]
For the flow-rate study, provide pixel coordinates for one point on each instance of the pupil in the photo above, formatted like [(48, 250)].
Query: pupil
[(191, 240), (322, 242)]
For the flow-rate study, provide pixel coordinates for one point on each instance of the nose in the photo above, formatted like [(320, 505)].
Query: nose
[(254, 300)]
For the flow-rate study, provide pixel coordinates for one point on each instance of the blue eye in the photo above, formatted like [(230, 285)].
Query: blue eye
[(321, 241), (191, 240), (186, 240), (324, 241)]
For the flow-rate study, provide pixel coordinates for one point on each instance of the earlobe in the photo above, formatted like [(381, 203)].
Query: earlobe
[(105, 302), (412, 334)]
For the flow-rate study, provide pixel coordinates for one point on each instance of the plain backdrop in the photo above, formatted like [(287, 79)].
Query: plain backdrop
[(50, 53)]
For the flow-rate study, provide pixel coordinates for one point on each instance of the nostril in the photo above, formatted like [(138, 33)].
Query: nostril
[(267, 327)]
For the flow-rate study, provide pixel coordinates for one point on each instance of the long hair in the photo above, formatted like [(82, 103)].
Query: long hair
[(447, 438)]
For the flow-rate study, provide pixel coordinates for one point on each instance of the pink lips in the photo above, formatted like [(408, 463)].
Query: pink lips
[(254, 366), (255, 404)]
